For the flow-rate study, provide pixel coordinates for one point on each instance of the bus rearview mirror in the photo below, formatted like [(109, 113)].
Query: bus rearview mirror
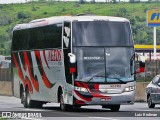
[(72, 58), (141, 65)]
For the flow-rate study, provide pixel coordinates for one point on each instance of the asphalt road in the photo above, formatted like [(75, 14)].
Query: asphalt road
[(138, 111)]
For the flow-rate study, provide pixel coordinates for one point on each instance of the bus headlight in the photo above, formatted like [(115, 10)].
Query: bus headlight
[(81, 89), (130, 88)]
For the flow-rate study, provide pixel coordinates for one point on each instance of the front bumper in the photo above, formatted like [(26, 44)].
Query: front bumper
[(105, 99)]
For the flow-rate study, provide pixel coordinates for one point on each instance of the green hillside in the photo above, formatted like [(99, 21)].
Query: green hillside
[(13, 14)]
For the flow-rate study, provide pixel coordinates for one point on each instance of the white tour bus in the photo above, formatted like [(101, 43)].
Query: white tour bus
[(74, 61)]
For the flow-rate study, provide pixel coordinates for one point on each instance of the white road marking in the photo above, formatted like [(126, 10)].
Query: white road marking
[(143, 110), (31, 118), (105, 118)]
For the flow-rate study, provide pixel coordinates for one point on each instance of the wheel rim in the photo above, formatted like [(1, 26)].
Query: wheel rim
[(28, 98), (149, 101), (62, 102), (23, 96)]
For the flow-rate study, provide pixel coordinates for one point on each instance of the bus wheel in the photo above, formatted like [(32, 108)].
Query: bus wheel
[(63, 106), (112, 107), (23, 94), (149, 101), (27, 102), (115, 108)]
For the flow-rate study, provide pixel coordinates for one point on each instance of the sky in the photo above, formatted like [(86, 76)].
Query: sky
[(23, 1), (12, 1)]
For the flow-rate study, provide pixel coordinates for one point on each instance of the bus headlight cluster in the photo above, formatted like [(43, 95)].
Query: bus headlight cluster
[(130, 88), (81, 89)]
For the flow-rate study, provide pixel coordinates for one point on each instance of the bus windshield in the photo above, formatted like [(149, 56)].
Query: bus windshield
[(101, 33), (111, 64)]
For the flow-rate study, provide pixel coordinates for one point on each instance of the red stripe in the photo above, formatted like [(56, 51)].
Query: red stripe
[(20, 73), (96, 86), (44, 54), (100, 96), (86, 86), (44, 77), (18, 68), (86, 99), (78, 84), (28, 65), (27, 82)]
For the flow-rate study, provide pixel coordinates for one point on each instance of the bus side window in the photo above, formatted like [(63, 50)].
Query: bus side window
[(20, 39), (46, 37)]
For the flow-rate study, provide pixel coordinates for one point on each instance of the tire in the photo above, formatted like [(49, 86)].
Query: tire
[(26, 99), (115, 108), (63, 106), (112, 107), (149, 101), (23, 97)]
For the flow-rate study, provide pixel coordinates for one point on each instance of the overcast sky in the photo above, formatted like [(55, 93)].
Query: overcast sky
[(12, 1)]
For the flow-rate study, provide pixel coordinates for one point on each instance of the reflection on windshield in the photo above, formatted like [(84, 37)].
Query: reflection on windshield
[(110, 64), (118, 62), (101, 33)]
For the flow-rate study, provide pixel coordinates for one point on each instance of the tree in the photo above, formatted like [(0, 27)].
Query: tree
[(2, 49), (2, 45), (93, 1), (114, 1), (81, 1), (131, 1), (122, 12), (141, 36)]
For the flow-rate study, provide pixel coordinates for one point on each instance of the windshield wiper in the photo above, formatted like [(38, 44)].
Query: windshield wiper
[(97, 75), (118, 79), (93, 77)]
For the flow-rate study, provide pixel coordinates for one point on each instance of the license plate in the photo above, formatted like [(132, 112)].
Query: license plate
[(116, 86)]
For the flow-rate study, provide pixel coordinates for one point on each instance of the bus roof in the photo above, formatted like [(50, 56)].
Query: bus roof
[(61, 19)]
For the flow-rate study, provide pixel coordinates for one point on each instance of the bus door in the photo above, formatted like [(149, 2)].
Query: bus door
[(67, 49)]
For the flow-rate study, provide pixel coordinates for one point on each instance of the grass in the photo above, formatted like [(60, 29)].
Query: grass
[(3, 118), (36, 10), (143, 79)]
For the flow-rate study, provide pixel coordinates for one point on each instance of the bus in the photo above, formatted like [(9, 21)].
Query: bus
[(74, 61)]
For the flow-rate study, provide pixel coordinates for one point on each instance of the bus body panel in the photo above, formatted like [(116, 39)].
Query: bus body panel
[(42, 71)]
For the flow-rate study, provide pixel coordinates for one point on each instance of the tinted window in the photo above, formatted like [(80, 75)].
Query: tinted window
[(46, 37), (38, 38), (102, 33), (20, 39)]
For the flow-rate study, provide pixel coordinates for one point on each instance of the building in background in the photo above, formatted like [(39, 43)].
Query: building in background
[(147, 51)]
